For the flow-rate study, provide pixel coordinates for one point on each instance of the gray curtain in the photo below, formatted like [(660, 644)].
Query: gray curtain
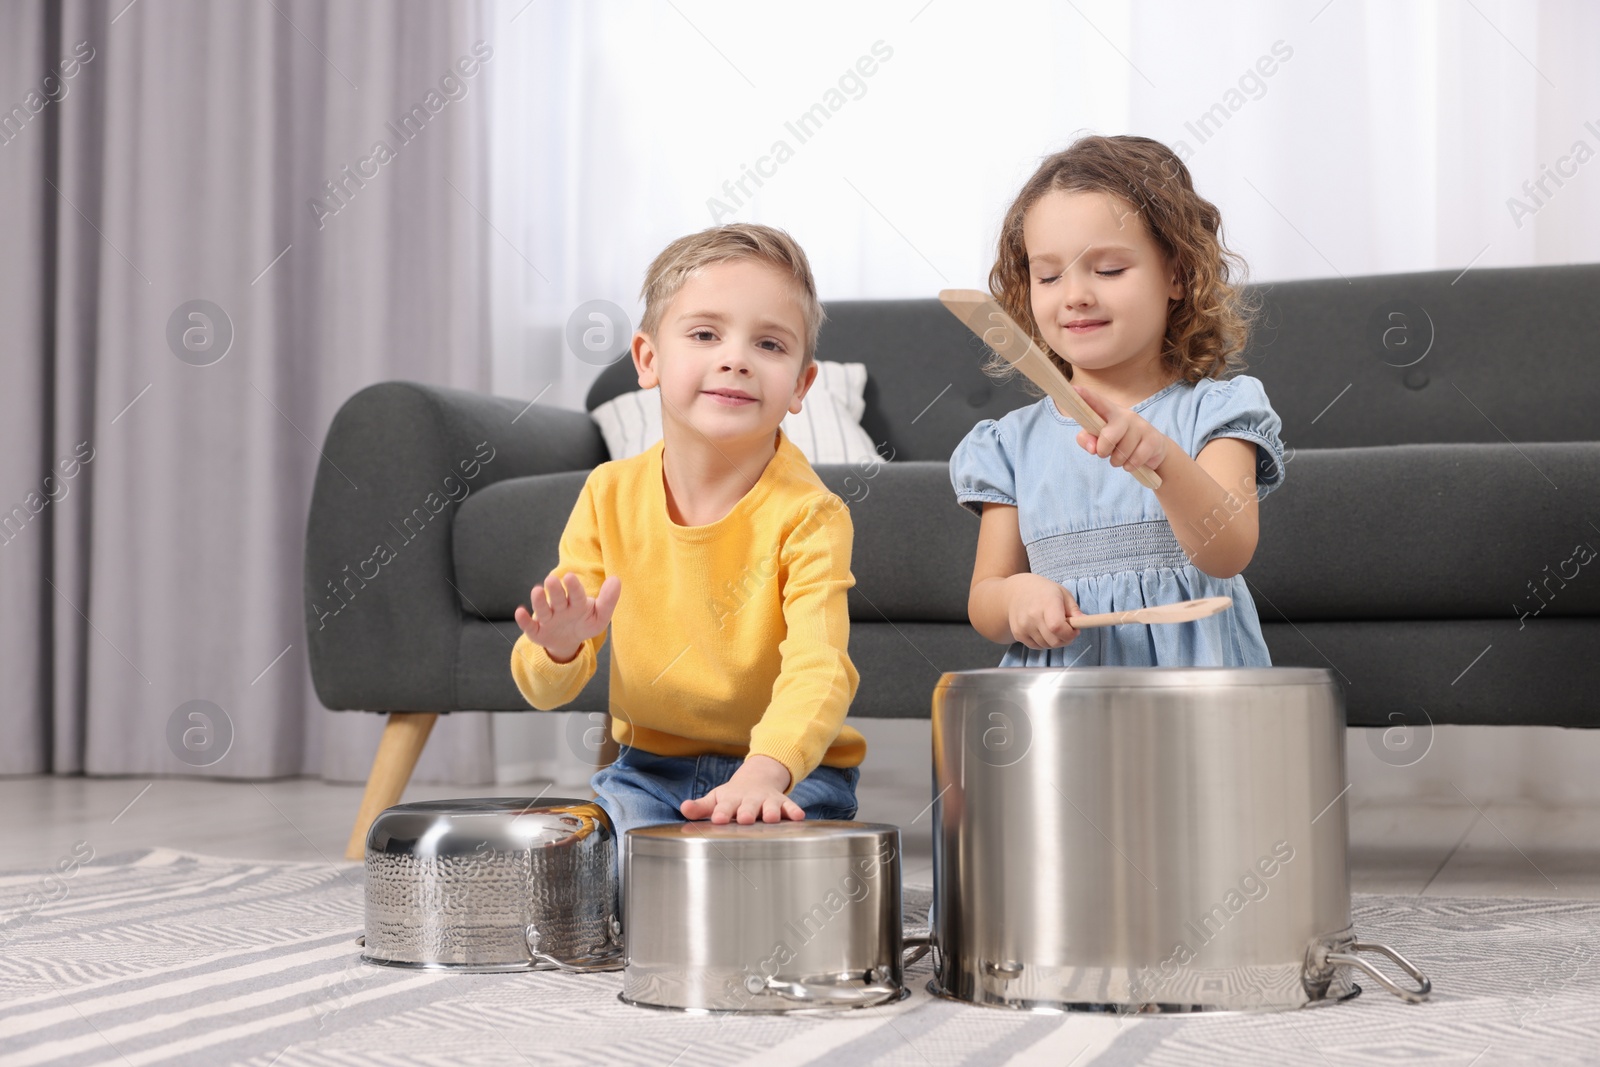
[(203, 253)]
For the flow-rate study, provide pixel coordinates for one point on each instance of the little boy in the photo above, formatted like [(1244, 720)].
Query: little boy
[(718, 559)]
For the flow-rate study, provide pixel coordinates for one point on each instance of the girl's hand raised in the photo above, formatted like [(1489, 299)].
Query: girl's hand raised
[(564, 616), (1127, 440), (1038, 611)]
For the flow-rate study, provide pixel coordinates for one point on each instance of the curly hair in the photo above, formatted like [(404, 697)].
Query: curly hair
[(1207, 327)]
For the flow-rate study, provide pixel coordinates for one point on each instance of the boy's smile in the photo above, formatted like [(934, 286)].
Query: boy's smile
[(1099, 289)]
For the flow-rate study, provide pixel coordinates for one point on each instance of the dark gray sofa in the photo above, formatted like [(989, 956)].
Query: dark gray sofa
[(1444, 469)]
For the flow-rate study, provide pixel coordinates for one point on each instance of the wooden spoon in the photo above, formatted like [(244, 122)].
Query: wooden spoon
[(1183, 611), (983, 316)]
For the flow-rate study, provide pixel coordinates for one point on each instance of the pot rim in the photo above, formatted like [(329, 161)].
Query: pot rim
[(461, 827), (1008, 678), (807, 840)]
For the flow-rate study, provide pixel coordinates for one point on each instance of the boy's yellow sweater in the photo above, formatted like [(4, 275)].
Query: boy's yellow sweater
[(729, 638)]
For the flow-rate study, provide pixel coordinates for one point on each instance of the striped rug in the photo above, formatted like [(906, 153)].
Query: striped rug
[(163, 957)]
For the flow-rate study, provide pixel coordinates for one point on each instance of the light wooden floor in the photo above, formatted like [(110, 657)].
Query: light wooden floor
[(1437, 849)]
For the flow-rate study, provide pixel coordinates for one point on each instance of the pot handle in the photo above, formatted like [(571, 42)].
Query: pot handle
[(582, 964), (1410, 996), (916, 947), (609, 958), (826, 995)]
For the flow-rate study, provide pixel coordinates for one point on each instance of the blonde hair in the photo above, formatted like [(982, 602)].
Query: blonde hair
[(720, 244), (1208, 326)]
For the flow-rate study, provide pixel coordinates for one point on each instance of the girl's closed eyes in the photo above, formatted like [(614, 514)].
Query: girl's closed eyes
[(1102, 273)]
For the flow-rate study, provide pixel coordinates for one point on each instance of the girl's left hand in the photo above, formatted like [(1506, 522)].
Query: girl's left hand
[(1127, 440)]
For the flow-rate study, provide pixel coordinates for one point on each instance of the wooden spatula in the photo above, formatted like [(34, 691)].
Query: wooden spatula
[(984, 317), (1183, 611)]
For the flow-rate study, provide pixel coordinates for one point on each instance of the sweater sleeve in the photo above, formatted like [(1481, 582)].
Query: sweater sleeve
[(816, 680), (544, 683)]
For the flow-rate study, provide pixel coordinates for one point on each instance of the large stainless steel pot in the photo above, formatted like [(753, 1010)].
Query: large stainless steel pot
[(501, 884), (1143, 839), (762, 918)]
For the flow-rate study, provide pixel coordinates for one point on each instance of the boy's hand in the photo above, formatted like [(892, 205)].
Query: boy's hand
[(1127, 440), (754, 792), (564, 617), (1038, 610)]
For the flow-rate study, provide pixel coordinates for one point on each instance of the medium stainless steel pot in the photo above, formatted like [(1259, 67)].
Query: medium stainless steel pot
[(501, 884), (1154, 839), (768, 917)]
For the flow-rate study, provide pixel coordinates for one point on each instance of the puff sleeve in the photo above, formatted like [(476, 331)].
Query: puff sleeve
[(981, 469), (1238, 407)]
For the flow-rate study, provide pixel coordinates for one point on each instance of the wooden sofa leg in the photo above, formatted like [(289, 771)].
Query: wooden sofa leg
[(398, 750)]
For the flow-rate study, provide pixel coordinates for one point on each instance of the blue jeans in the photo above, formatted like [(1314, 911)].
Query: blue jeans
[(643, 789)]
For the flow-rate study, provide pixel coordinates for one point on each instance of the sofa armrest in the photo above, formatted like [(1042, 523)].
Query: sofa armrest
[(383, 621)]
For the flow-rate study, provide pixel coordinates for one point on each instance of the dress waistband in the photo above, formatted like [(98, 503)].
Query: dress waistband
[(1133, 546)]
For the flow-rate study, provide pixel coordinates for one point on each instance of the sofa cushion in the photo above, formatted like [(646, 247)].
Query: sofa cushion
[(1487, 355), (914, 545), (505, 540), (1403, 532), (1430, 532), (912, 559)]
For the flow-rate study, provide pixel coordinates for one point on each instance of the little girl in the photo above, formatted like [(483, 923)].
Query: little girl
[(1116, 267)]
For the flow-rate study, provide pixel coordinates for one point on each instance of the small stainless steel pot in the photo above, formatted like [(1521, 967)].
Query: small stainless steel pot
[(501, 884), (770, 917), (1153, 839)]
